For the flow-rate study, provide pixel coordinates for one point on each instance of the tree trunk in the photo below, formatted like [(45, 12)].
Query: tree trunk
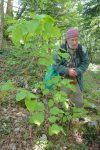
[(1, 22), (9, 10)]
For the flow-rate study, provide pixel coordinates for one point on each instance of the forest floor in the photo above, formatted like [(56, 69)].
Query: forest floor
[(16, 133)]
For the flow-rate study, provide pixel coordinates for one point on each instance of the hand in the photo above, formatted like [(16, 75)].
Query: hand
[(72, 72)]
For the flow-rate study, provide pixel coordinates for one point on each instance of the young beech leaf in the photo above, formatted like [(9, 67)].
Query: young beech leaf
[(37, 118), (24, 94), (55, 129), (53, 119), (34, 105)]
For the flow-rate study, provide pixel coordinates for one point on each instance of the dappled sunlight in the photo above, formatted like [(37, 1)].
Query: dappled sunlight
[(94, 67)]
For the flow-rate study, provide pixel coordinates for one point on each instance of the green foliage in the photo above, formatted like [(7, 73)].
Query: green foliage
[(6, 89), (34, 37), (24, 94), (34, 105), (37, 35), (61, 11), (8, 86), (37, 118), (89, 27), (92, 86), (77, 112), (91, 101), (34, 45), (39, 25), (91, 38), (50, 103), (55, 111), (80, 147), (53, 119), (55, 129)]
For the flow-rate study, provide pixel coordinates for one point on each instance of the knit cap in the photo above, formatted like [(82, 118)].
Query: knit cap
[(72, 32)]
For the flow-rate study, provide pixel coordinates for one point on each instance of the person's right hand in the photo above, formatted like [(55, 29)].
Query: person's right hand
[(72, 72)]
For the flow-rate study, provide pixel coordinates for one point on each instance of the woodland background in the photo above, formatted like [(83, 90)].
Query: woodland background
[(30, 116)]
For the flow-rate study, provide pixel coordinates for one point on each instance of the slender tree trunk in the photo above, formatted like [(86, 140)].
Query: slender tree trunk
[(9, 10), (1, 22)]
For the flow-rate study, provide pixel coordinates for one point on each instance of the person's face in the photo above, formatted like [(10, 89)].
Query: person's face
[(73, 42)]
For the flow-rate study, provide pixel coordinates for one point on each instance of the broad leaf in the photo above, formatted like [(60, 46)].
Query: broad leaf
[(54, 111), (37, 118), (8, 86), (53, 119), (55, 129), (24, 94), (66, 105), (50, 103), (45, 61), (33, 105), (45, 91), (21, 95), (32, 25), (17, 35)]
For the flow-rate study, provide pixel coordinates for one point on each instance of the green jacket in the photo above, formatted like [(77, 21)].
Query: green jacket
[(81, 62)]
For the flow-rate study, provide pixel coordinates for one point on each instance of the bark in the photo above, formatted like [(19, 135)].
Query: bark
[(1, 22), (9, 10)]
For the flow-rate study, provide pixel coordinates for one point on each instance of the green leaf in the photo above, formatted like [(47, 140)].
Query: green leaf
[(65, 55), (57, 97), (21, 95), (55, 129), (8, 86), (45, 91), (55, 111), (17, 35), (49, 19), (60, 96), (65, 119), (48, 27), (72, 87), (55, 32), (40, 106), (45, 61), (25, 94), (32, 25), (33, 105), (39, 17), (66, 105), (79, 110), (31, 95), (69, 117), (53, 119), (65, 82), (37, 118), (50, 103)]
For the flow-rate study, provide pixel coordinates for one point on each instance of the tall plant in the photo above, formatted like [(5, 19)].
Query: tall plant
[(38, 36)]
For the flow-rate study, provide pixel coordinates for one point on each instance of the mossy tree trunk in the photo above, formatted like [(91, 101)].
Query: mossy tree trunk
[(9, 10), (1, 22)]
